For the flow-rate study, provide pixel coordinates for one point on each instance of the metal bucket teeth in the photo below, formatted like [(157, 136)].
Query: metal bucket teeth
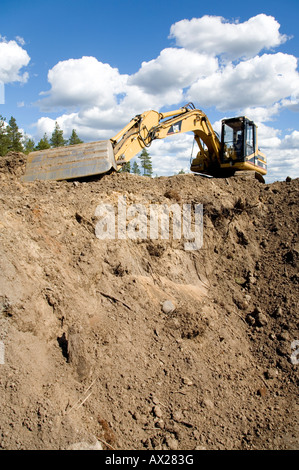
[(70, 162)]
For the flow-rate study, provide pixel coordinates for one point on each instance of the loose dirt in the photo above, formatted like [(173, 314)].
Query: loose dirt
[(142, 343)]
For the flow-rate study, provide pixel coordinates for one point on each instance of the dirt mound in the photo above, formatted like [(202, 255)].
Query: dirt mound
[(141, 343)]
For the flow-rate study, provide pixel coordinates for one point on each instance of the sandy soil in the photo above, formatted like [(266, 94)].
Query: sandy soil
[(142, 344)]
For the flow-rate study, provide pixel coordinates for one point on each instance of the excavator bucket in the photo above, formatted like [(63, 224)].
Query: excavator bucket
[(69, 162)]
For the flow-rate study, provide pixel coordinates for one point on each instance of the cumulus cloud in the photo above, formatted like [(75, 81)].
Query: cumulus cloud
[(269, 138), (260, 81), (215, 35), (172, 155), (291, 141), (12, 59), (282, 163), (87, 82), (185, 73), (91, 124), (173, 69), (83, 82), (189, 73), (292, 103), (20, 40), (214, 63), (262, 114)]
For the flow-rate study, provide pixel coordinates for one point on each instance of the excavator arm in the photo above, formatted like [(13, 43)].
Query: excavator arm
[(151, 125)]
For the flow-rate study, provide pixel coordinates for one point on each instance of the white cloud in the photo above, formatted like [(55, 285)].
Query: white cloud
[(262, 113), (173, 154), (282, 163), (83, 82), (178, 75), (91, 123), (173, 69), (12, 59), (215, 63), (20, 40), (260, 81), (215, 35), (268, 138), (45, 125), (88, 83), (291, 141), (292, 103)]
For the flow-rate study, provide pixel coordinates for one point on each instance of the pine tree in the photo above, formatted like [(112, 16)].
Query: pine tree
[(43, 143), (135, 169), (57, 139), (146, 163), (4, 140), (14, 136), (74, 139), (126, 168), (29, 145)]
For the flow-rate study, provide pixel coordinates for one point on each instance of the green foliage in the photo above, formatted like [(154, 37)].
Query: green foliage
[(126, 168), (57, 139), (135, 169), (29, 145), (14, 136), (4, 141), (74, 139), (146, 163), (10, 136), (12, 139), (43, 143)]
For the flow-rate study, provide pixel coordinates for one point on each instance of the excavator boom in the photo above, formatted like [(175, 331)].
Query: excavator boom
[(101, 157)]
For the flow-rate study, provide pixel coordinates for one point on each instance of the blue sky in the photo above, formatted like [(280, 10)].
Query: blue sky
[(93, 65)]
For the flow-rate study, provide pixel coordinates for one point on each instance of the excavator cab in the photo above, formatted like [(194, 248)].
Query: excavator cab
[(239, 146)]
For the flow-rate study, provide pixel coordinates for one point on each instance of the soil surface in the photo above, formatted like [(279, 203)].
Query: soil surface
[(142, 343)]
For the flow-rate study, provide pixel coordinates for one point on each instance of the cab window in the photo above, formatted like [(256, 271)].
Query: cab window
[(249, 141), (233, 140)]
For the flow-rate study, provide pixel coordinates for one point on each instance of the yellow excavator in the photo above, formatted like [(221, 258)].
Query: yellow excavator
[(234, 152)]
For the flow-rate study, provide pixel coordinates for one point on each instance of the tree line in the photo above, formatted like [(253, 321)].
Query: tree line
[(11, 139), (146, 167)]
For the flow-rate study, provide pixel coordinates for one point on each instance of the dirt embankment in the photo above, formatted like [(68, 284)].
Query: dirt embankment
[(92, 354)]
